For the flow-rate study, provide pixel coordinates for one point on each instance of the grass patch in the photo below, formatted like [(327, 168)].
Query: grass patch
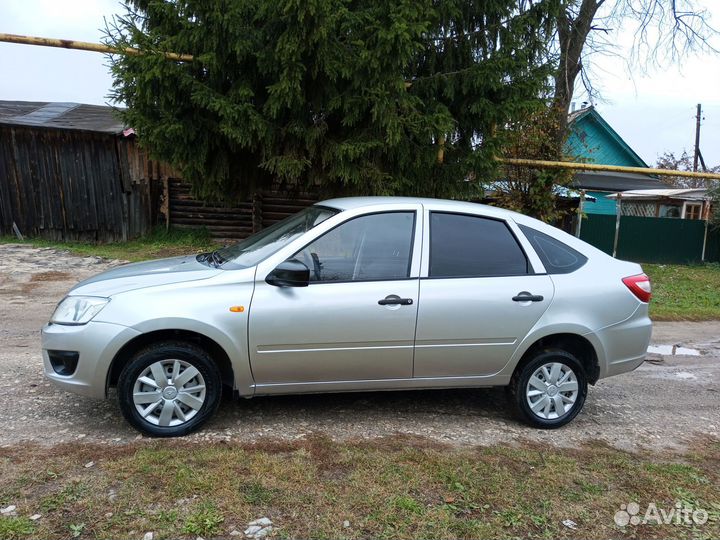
[(684, 293), (158, 244), (256, 494), (12, 528), (205, 521), (388, 488)]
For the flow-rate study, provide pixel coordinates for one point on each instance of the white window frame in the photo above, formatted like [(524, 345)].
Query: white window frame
[(688, 204)]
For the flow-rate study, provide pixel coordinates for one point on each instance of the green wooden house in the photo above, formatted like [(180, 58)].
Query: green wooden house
[(592, 140)]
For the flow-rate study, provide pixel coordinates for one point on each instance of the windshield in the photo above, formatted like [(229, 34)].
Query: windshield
[(259, 246)]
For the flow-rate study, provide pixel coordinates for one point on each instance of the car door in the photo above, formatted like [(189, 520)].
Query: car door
[(356, 318), (479, 297)]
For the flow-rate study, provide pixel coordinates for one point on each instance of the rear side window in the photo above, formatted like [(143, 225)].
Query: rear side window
[(472, 246), (558, 258)]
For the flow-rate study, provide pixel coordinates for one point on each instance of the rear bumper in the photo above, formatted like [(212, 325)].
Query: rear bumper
[(96, 343), (625, 344)]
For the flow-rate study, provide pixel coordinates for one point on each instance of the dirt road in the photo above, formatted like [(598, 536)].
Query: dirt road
[(660, 405)]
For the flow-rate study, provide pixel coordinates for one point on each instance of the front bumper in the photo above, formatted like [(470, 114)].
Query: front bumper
[(96, 343)]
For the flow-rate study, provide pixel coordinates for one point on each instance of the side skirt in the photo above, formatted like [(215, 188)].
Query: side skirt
[(380, 385)]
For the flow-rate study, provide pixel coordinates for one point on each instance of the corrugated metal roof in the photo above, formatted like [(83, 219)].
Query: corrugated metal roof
[(561, 191), (612, 181), (75, 116), (680, 194)]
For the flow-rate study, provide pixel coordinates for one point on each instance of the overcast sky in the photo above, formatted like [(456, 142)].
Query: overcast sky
[(653, 112)]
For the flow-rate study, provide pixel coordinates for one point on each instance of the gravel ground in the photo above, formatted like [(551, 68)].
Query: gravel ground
[(666, 403)]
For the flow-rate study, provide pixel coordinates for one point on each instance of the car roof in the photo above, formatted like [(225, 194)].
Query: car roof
[(352, 203)]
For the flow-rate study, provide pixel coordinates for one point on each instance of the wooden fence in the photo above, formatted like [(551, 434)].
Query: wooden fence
[(235, 221)]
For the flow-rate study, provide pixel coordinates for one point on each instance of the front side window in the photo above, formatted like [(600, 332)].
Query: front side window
[(365, 248), (472, 246)]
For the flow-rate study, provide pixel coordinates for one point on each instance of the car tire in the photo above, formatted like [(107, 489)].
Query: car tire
[(169, 389), (549, 390)]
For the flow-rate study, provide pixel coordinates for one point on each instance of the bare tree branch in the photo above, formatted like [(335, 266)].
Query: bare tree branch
[(664, 31)]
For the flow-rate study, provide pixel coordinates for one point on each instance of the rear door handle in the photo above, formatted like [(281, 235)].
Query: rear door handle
[(395, 300), (527, 297)]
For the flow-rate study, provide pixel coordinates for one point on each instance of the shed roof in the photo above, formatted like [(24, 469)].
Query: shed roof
[(75, 116), (690, 194), (612, 181)]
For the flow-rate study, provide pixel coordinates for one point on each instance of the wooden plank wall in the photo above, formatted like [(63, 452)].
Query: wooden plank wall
[(235, 221), (75, 185), (222, 220), (277, 205)]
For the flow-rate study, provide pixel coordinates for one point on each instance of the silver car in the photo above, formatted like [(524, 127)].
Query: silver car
[(357, 294)]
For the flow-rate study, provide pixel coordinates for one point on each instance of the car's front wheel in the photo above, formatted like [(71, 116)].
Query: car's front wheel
[(169, 389), (550, 390)]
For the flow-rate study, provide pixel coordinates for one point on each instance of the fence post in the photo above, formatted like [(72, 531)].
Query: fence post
[(706, 215), (578, 226), (618, 213), (165, 205), (257, 212)]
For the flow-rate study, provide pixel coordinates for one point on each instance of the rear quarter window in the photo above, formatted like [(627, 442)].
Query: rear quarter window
[(557, 257)]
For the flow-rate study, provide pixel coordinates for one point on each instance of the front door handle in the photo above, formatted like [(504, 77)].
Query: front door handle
[(527, 297), (395, 300)]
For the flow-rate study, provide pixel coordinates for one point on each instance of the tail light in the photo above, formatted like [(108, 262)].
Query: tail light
[(640, 286)]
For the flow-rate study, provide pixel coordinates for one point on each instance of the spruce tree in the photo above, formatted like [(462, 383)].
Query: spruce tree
[(352, 96)]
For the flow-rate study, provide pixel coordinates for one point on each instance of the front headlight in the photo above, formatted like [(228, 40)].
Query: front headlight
[(78, 309)]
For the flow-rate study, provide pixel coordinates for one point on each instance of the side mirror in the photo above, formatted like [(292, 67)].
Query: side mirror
[(290, 273)]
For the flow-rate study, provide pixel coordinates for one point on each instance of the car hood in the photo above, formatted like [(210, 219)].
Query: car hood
[(145, 274)]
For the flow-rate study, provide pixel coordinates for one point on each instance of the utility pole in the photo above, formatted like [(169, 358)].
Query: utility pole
[(697, 137), (704, 214)]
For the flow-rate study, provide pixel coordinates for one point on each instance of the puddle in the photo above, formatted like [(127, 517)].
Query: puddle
[(684, 376), (673, 350)]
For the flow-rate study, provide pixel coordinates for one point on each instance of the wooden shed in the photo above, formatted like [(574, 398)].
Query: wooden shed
[(72, 172)]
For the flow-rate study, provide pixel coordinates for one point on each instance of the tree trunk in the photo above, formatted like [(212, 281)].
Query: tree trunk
[(573, 30)]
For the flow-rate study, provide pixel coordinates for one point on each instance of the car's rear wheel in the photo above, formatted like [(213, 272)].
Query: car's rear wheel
[(549, 390), (169, 389)]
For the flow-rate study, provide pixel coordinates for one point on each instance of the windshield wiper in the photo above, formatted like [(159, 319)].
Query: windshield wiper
[(217, 259), (203, 257), (211, 257)]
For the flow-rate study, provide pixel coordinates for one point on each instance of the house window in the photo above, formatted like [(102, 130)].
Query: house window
[(669, 211), (692, 210)]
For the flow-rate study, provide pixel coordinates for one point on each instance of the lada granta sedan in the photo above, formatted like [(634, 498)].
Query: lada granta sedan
[(357, 294)]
